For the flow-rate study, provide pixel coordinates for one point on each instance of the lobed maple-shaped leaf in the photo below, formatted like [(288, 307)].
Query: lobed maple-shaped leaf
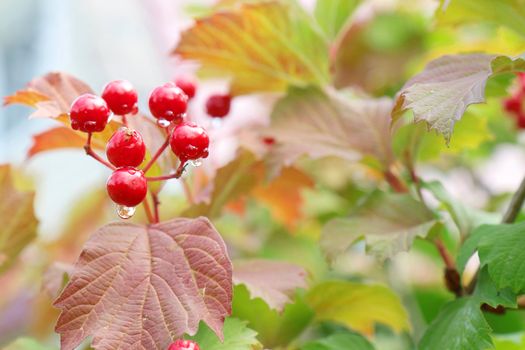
[(17, 218), (448, 85), (383, 224), (333, 15), (274, 282), (320, 124), (139, 287), (237, 336), (460, 326), (57, 138), (55, 278), (358, 306), (263, 46)]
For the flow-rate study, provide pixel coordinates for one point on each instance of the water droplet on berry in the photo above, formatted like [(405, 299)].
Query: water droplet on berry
[(163, 123), (196, 163), (125, 212)]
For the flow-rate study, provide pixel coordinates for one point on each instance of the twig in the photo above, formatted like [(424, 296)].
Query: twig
[(156, 155), (176, 175), (515, 204), (394, 182), (91, 153), (156, 204)]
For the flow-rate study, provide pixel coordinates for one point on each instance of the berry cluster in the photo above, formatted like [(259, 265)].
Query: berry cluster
[(181, 344), (514, 104), (128, 185)]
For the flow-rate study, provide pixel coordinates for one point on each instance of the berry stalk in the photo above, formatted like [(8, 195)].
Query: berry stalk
[(156, 155), (175, 175), (93, 154)]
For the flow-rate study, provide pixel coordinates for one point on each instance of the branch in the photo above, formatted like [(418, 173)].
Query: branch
[(156, 155), (91, 153), (515, 204), (156, 204)]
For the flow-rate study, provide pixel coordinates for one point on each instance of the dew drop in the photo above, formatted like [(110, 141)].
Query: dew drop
[(125, 212), (163, 123), (196, 163)]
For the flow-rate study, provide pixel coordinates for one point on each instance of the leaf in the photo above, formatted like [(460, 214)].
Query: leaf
[(237, 336), (56, 277), (320, 124), (55, 139), (465, 218), (17, 218), (383, 223), (141, 286), (459, 326), (488, 293), (263, 46), (333, 15), (274, 282), (503, 252), (441, 93), (470, 246), (26, 344), (358, 306), (508, 13), (51, 94), (283, 195), (340, 341)]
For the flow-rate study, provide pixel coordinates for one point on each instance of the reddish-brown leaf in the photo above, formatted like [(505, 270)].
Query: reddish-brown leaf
[(139, 287), (55, 278), (51, 94), (272, 281), (57, 138)]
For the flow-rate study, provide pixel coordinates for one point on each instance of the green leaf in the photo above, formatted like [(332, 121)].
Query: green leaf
[(340, 341), (459, 326), (265, 46), (465, 218), (508, 13), (448, 85), (274, 329), (358, 306), (470, 246), (509, 342), (26, 344), (488, 293), (333, 15), (330, 123), (383, 222), (237, 336), (503, 251), (17, 218)]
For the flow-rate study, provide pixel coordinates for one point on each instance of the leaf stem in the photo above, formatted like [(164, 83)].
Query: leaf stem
[(394, 182), (177, 174), (515, 205), (156, 155), (90, 152)]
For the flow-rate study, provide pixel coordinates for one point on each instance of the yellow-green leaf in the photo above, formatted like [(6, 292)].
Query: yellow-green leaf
[(358, 306), (262, 47), (17, 219)]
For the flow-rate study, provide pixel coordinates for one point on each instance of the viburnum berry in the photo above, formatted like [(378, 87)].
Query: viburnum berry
[(127, 186), (189, 86), (181, 344), (513, 104), (218, 106), (121, 97), (189, 142), (168, 102), (126, 148), (89, 113)]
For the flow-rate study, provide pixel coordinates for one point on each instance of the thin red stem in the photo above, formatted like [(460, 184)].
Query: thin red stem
[(147, 209), (175, 175), (94, 155), (156, 155), (156, 204)]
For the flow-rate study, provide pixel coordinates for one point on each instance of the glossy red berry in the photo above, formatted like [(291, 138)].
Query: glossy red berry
[(218, 106), (126, 148), (127, 186), (181, 344), (120, 96), (168, 102), (513, 104), (189, 142), (89, 113), (189, 86)]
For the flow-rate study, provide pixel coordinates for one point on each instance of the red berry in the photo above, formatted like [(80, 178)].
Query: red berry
[(181, 344), (268, 140), (126, 148), (127, 186), (89, 113), (189, 86), (168, 102), (120, 96), (513, 104), (218, 106), (189, 142)]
